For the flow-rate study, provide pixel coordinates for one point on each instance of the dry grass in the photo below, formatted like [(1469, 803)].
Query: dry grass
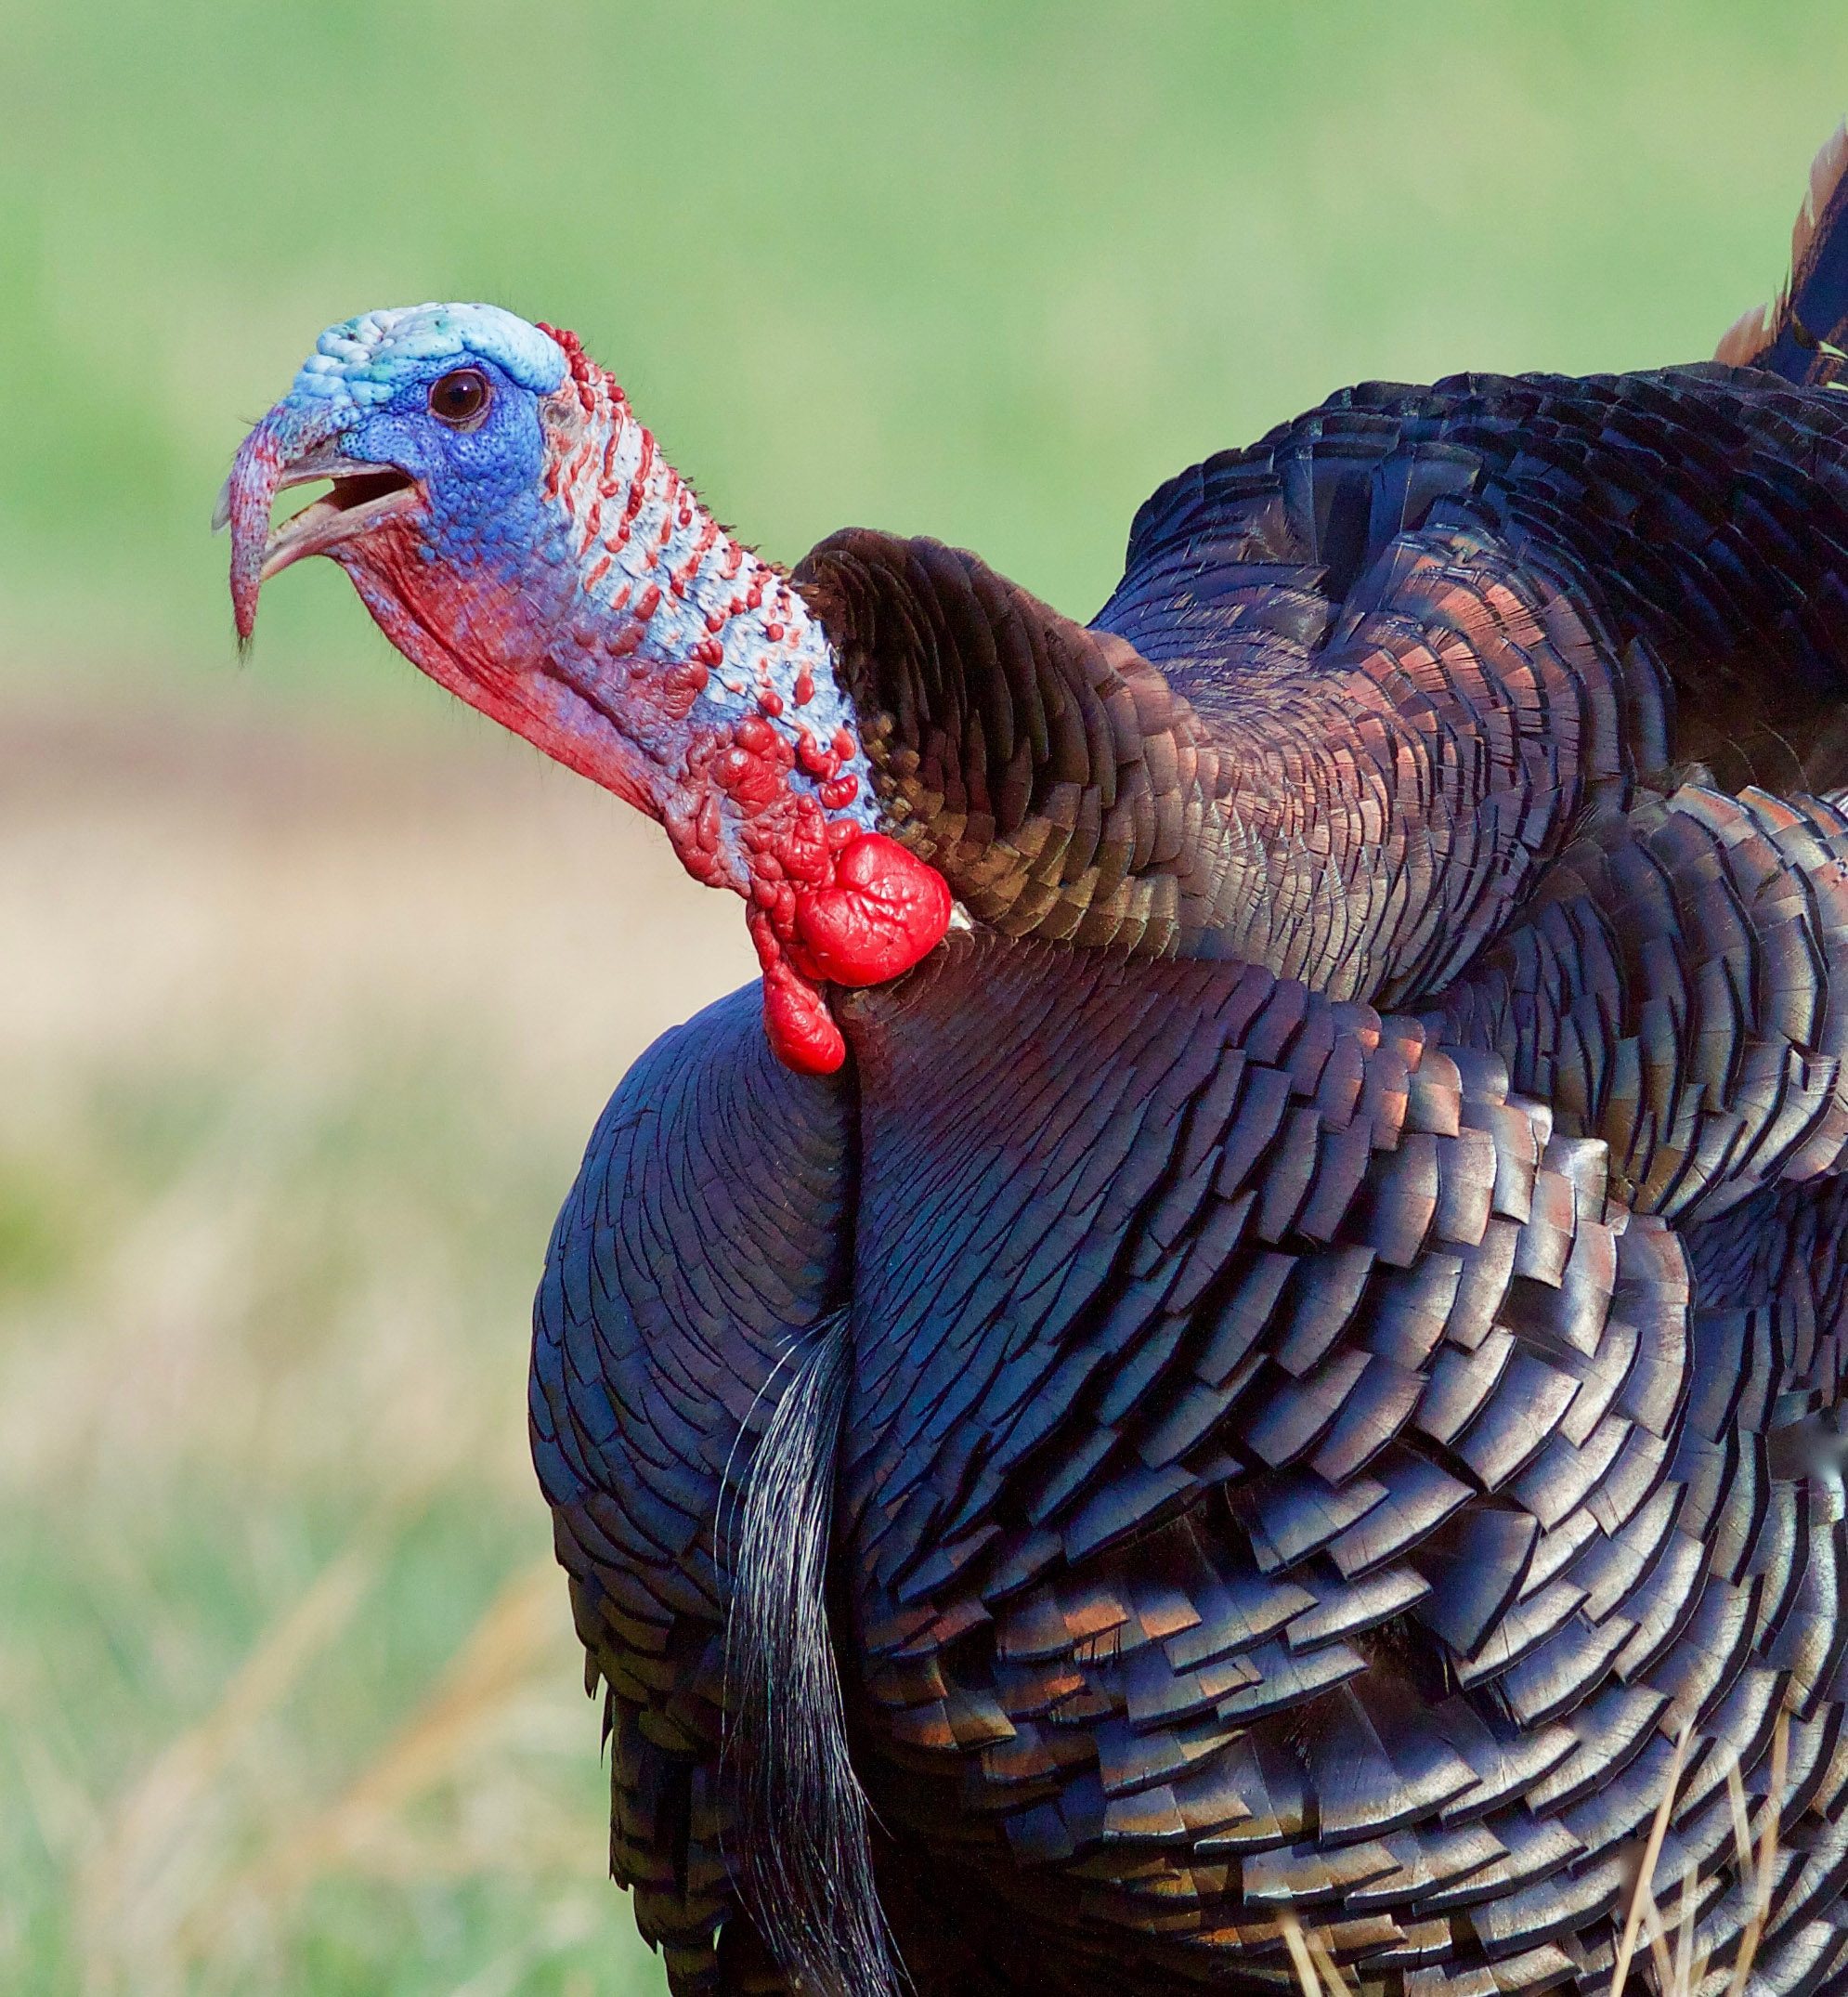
[(1317, 1972), (297, 1051), (1675, 1969)]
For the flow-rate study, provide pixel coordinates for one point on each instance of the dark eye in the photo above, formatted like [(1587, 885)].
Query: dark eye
[(459, 397)]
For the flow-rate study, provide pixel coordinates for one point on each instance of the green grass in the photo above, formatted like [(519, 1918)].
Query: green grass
[(987, 271), (297, 1054), (254, 1270), (311, 991)]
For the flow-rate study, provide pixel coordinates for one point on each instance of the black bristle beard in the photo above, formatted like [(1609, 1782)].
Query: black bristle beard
[(803, 1862)]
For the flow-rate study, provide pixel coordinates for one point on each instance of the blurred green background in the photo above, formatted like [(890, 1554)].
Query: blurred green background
[(311, 989)]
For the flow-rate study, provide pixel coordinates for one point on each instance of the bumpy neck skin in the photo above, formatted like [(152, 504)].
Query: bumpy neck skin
[(649, 649), (696, 635)]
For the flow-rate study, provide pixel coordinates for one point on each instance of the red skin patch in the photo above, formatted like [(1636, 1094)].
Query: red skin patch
[(885, 909), (829, 902), (796, 1019)]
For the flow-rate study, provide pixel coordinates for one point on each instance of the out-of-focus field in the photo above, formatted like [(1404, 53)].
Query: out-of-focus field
[(988, 269), (310, 989), (299, 1041)]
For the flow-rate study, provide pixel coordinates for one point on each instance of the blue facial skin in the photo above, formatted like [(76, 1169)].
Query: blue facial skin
[(482, 486), (366, 387)]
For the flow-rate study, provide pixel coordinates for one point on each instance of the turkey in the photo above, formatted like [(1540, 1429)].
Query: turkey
[(1228, 1375)]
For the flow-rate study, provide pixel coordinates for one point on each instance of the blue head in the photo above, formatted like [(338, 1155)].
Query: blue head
[(429, 419), (516, 535)]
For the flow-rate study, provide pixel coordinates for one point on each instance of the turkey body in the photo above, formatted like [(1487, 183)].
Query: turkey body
[(1308, 1337)]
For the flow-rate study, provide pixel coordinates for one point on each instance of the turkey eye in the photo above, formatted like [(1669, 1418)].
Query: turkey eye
[(459, 397)]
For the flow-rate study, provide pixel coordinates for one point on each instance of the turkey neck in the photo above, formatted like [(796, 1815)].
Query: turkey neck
[(688, 633), (704, 685)]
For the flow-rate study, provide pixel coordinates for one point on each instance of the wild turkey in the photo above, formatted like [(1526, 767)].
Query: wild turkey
[(1283, 1404)]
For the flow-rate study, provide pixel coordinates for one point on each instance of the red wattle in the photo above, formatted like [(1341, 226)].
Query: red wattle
[(796, 1019), (885, 910)]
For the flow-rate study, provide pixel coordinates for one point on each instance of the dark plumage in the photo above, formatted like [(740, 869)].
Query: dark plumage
[(1293, 1371)]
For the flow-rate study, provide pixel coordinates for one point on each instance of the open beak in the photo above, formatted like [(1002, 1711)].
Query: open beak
[(360, 496)]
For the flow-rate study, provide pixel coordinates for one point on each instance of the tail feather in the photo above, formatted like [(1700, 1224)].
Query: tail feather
[(1802, 335)]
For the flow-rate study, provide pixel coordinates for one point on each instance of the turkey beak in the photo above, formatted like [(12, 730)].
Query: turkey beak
[(284, 450)]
